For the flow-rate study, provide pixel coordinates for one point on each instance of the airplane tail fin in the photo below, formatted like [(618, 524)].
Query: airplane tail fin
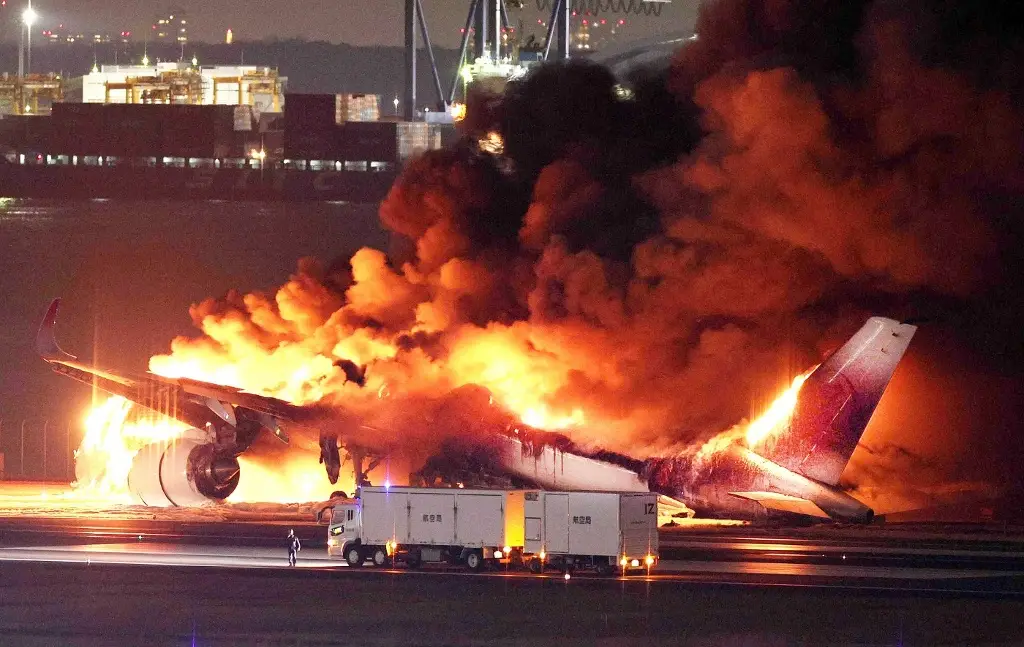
[(837, 401), (46, 341)]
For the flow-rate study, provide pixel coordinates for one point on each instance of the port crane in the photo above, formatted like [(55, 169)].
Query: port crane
[(488, 27)]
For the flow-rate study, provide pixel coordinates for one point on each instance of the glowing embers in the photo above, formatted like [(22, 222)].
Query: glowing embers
[(111, 441)]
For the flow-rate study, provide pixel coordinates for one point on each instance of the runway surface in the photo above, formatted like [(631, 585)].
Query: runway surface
[(138, 576), (179, 598), (1004, 581)]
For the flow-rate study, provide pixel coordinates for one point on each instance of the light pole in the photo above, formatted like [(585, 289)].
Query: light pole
[(21, 51), (28, 17)]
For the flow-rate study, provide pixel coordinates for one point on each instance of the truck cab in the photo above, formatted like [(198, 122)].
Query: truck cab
[(344, 528), (414, 526)]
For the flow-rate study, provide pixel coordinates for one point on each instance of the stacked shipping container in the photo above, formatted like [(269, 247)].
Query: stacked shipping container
[(318, 126), (356, 107), (308, 130), (134, 130)]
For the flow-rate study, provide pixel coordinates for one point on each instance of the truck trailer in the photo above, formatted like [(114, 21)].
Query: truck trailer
[(416, 525), (603, 531)]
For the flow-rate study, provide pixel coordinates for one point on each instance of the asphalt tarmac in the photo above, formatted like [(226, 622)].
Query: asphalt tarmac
[(96, 582), (113, 604)]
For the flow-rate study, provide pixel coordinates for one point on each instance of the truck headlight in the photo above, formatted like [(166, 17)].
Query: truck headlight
[(498, 554), (649, 560)]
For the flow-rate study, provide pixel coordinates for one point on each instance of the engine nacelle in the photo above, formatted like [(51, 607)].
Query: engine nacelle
[(184, 472)]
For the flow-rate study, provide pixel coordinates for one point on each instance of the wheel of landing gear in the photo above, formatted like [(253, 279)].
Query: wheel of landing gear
[(354, 556), (475, 561), (380, 557)]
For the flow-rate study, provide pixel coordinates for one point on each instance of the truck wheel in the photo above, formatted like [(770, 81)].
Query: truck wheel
[(604, 569), (354, 556), (475, 561), (380, 557), (536, 566), (414, 560)]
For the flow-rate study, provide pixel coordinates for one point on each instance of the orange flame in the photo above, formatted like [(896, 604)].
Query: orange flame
[(113, 438), (293, 479), (770, 424), (110, 443), (775, 418)]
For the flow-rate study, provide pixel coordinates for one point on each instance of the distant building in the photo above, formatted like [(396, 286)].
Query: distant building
[(63, 35), (181, 83), (171, 26)]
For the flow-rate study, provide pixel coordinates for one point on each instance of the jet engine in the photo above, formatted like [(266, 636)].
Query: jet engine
[(187, 471)]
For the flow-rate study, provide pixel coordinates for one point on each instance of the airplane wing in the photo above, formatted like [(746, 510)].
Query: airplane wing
[(784, 503), (188, 400)]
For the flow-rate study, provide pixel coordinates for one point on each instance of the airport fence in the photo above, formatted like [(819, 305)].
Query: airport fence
[(38, 449)]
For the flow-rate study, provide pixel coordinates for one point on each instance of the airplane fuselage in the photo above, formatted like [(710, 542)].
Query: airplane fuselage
[(739, 482)]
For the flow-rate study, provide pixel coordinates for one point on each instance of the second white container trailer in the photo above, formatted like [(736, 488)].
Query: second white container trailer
[(605, 531)]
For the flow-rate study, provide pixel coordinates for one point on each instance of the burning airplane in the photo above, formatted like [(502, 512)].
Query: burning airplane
[(789, 461)]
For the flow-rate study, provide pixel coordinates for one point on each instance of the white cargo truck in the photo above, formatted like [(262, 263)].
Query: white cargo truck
[(604, 531), (416, 525)]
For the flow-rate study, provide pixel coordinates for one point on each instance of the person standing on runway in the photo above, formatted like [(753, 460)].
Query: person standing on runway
[(294, 546)]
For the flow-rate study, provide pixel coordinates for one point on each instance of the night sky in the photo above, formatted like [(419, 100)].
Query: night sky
[(347, 21)]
